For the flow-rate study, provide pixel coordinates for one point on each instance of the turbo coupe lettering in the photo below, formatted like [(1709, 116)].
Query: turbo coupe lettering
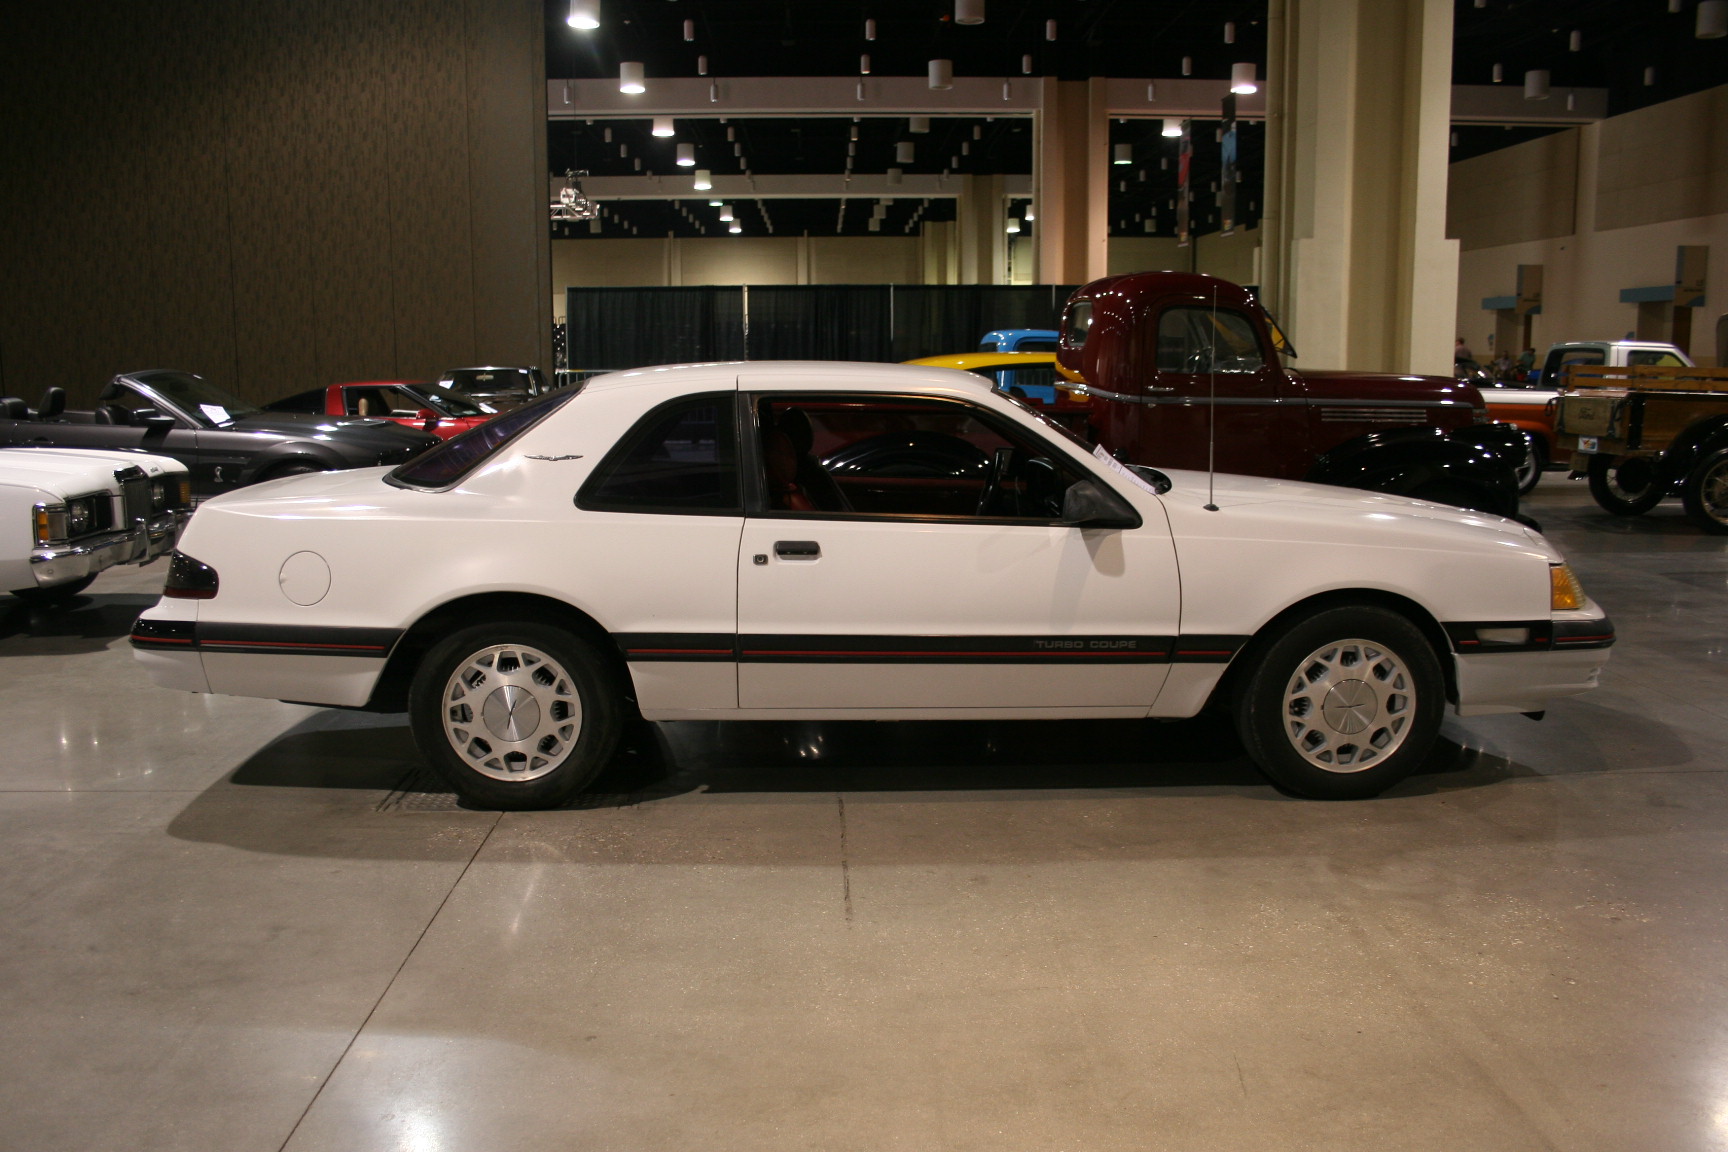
[(821, 540)]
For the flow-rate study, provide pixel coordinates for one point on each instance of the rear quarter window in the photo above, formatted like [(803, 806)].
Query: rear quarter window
[(446, 464)]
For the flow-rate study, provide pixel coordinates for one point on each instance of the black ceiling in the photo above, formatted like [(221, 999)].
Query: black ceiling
[(1618, 41)]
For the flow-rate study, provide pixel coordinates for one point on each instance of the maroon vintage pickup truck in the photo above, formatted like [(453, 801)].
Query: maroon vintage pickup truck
[(1167, 353)]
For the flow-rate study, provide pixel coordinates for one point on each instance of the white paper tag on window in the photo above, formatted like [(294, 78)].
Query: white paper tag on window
[(216, 413), (1122, 470)]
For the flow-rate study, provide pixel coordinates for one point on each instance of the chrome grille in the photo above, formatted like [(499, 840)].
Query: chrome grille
[(134, 494), (1371, 415)]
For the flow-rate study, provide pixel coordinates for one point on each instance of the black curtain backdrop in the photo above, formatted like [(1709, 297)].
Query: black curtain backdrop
[(611, 328)]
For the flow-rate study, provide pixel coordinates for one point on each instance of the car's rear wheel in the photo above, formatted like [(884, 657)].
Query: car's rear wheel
[(1705, 493), (297, 468), (58, 594), (515, 714), (1342, 704), (1625, 485)]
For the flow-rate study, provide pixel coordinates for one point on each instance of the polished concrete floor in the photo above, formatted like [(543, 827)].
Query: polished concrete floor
[(237, 924)]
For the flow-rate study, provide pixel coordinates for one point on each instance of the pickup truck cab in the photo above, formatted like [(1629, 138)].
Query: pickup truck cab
[(66, 516), (1020, 340), (1184, 371)]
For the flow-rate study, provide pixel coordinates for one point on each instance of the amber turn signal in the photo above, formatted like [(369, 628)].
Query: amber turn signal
[(1565, 593)]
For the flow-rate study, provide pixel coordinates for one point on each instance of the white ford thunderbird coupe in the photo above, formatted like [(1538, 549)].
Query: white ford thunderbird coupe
[(852, 541)]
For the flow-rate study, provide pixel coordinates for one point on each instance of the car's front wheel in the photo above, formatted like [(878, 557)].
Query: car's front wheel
[(1705, 492), (1535, 460), (1342, 704), (515, 714)]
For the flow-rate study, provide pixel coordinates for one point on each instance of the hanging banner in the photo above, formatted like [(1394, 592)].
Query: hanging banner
[(1184, 166), (1227, 173)]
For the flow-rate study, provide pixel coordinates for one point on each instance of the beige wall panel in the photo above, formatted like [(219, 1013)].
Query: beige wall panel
[(865, 260), (624, 262), (1146, 254), (738, 260), (1231, 257), (1525, 192), (1665, 162)]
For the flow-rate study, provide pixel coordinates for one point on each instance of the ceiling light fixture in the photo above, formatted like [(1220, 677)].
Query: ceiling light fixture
[(896, 175), (1029, 215), (1575, 42), (1499, 73), (1242, 79), (735, 228), (1026, 64), (869, 29), (1187, 65), (572, 204), (1229, 32), (1049, 29), (1124, 154), (864, 64), (1013, 225), (1170, 128), (701, 65), (1712, 20), (689, 30), (703, 181), (903, 152), (968, 11), (941, 75), (584, 15), (632, 78), (663, 126), (1650, 77), (725, 212), (918, 124), (686, 155), (715, 203), (1536, 84)]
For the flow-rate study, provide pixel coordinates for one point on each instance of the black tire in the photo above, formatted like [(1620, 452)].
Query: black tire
[(555, 755), (1705, 493), (58, 594), (1625, 485), (297, 468), (1530, 472), (1402, 687)]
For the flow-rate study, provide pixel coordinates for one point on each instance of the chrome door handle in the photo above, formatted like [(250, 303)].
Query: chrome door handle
[(797, 549)]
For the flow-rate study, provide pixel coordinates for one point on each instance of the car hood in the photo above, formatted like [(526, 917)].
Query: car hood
[(112, 457), (38, 465), (381, 435), (1321, 511)]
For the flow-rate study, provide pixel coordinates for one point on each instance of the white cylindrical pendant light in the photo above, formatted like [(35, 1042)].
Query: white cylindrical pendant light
[(1499, 73), (726, 212), (663, 126), (584, 15), (1242, 79), (874, 224), (1229, 32), (1575, 42), (735, 228), (701, 65), (1013, 226), (703, 180), (594, 227), (1650, 77), (869, 29), (1571, 101), (918, 124), (1029, 214), (1026, 64), (1170, 128), (686, 155), (896, 175), (632, 78), (968, 11), (903, 152), (864, 64), (689, 30), (1123, 154), (965, 147), (1187, 65), (941, 75), (1536, 84), (1712, 19), (1049, 29), (1151, 226)]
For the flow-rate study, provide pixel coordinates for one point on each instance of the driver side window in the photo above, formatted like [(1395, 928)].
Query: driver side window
[(884, 455), (1195, 340)]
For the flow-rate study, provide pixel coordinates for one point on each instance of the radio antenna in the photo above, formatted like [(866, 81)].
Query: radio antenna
[(1212, 407)]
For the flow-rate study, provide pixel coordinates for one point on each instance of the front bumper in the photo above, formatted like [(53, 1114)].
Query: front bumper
[(145, 541), (1528, 677)]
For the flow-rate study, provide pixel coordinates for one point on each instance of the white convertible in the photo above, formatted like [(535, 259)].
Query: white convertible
[(850, 541), (66, 514)]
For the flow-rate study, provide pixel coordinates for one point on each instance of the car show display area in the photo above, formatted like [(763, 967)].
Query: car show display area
[(267, 926)]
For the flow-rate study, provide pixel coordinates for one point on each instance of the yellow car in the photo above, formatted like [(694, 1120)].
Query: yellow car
[(1028, 375)]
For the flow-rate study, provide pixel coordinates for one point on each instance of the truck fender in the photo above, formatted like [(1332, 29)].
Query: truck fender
[(1698, 440), (1404, 461)]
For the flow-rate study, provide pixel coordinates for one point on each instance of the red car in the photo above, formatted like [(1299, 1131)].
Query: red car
[(414, 403)]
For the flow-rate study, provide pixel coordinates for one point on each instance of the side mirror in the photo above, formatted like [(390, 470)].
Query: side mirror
[(1086, 505), (428, 418)]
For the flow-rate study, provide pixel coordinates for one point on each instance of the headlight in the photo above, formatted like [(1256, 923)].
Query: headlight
[(1565, 594), (80, 517), (158, 495)]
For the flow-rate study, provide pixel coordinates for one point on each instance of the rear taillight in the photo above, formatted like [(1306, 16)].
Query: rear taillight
[(189, 579)]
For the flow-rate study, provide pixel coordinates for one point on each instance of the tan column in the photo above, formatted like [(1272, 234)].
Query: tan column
[(1358, 266), (983, 248), (1071, 181)]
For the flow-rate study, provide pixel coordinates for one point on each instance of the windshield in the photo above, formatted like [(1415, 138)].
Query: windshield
[(454, 403), (442, 466), (488, 380), (197, 397), (1280, 341)]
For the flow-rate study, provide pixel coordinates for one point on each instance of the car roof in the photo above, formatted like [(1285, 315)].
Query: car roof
[(812, 375), (381, 384), (969, 360)]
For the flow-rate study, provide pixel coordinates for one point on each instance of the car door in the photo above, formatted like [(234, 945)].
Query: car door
[(1211, 366), (878, 571)]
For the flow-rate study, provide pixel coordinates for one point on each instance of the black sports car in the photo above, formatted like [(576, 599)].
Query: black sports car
[(225, 441)]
